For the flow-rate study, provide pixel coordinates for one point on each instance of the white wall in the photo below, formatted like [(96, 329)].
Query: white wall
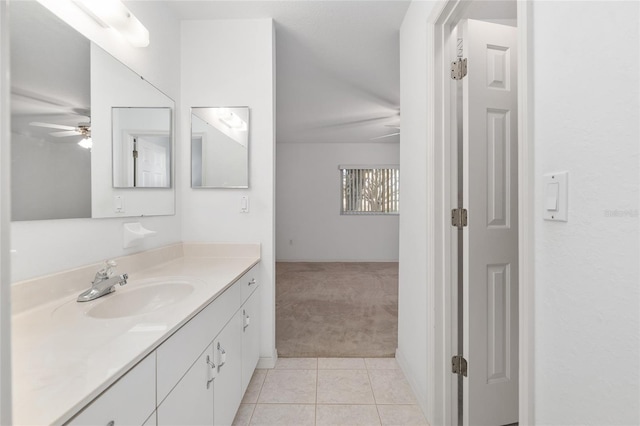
[(309, 226), (231, 63), (413, 320), (53, 245), (586, 118)]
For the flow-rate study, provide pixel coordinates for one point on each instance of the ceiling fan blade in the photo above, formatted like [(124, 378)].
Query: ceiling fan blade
[(350, 123), (65, 133), (51, 125), (385, 136)]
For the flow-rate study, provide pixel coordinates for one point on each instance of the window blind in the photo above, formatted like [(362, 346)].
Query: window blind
[(370, 189)]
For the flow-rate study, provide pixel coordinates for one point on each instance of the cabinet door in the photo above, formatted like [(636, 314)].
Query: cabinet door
[(227, 392), (191, 401), (129, 401), (250, 337)]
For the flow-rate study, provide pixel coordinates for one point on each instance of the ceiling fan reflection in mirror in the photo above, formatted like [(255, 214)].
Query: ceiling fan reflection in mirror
[(83, 129), (392, 126)]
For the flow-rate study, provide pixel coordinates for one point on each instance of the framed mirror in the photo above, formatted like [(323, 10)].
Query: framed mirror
[(220, 147), (141, 139)]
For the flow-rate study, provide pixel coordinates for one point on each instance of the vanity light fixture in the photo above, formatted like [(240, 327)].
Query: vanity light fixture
[(230, 119), (114, 14)]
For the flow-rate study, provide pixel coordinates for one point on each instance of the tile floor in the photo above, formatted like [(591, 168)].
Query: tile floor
[(330, 391)]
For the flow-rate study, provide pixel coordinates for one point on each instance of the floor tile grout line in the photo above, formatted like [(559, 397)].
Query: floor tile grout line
[(375, 400), (252, 412), (258, 397), (315, 407)]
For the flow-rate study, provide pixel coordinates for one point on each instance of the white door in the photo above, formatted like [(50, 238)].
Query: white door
[(490, 255), (152, 170)]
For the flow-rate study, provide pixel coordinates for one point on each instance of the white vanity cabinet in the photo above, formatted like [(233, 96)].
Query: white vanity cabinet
[(180, 351), (129, 401), (198, 375), (210, 392)]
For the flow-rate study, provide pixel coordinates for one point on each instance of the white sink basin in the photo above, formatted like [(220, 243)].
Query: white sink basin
[(139, 297), (137, 301)]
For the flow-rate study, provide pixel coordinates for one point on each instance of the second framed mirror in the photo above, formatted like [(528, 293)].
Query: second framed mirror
[(220, 147)]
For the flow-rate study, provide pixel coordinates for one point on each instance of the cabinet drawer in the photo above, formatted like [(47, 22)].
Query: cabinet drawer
[(249, 282), (179, 351), (115, 405)]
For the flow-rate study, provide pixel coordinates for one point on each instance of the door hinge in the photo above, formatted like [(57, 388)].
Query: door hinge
[(459, 218), (459, 365), (459, 69)]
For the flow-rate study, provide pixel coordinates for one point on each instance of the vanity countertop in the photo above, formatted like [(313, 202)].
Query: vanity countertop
[(63, 358)]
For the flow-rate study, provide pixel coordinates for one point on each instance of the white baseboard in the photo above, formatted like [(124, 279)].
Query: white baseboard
[(268, 362), (404, 366)]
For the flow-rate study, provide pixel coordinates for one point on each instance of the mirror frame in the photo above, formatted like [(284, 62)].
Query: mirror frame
[(248, 150)]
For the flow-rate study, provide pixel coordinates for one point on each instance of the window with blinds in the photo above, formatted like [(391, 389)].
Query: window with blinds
[(370, 189)]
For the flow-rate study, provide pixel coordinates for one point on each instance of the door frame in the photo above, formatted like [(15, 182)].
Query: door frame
[(441, 186)]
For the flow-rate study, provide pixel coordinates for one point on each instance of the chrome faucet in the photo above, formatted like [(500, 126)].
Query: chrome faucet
[(103, 282)]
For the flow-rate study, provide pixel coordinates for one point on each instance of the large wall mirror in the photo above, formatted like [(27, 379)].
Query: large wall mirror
[(220, 147), (64, 90)]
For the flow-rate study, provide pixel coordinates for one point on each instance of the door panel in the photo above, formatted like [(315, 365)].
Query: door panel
[(490, 254), (152, 164)]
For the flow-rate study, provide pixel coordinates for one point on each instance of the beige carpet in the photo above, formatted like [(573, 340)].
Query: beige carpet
[(336, 309)]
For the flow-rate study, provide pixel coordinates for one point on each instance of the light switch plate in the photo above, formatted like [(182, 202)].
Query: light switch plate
[(556, 196), (118, 204), (244, 204)]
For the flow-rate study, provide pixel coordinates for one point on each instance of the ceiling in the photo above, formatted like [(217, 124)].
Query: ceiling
[(337, 64)]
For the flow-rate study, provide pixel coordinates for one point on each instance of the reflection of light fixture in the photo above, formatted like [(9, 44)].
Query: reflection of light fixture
[(86, 142), (114, 14), (230, 119)]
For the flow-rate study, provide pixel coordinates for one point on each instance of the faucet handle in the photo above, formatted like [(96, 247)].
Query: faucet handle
[(108, 268)]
